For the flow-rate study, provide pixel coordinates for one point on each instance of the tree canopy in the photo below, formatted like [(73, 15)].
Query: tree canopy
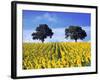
[(42, 32), (75, 32)]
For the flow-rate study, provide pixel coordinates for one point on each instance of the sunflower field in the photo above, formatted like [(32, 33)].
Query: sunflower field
[(56, 55)]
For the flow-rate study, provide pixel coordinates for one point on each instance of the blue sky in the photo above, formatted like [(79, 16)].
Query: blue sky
[(58, 21)]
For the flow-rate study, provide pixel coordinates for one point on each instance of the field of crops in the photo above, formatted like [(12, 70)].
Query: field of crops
[(56, 55)]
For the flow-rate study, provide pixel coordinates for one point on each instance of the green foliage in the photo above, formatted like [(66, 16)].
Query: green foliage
[(75, 32), (42, 32)]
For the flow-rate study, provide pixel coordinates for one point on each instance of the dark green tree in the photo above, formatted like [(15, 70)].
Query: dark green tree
[(42, 32), (75, 32)]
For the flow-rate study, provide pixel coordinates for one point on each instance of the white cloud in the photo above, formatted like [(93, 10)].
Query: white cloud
[(88, 31), (49, 17), (59, 36), (86, 28), (89, 41), (27, 36), (46, 16)]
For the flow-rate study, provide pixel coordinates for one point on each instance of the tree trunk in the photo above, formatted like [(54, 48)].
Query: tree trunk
[(75, 40), (42, 41)]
